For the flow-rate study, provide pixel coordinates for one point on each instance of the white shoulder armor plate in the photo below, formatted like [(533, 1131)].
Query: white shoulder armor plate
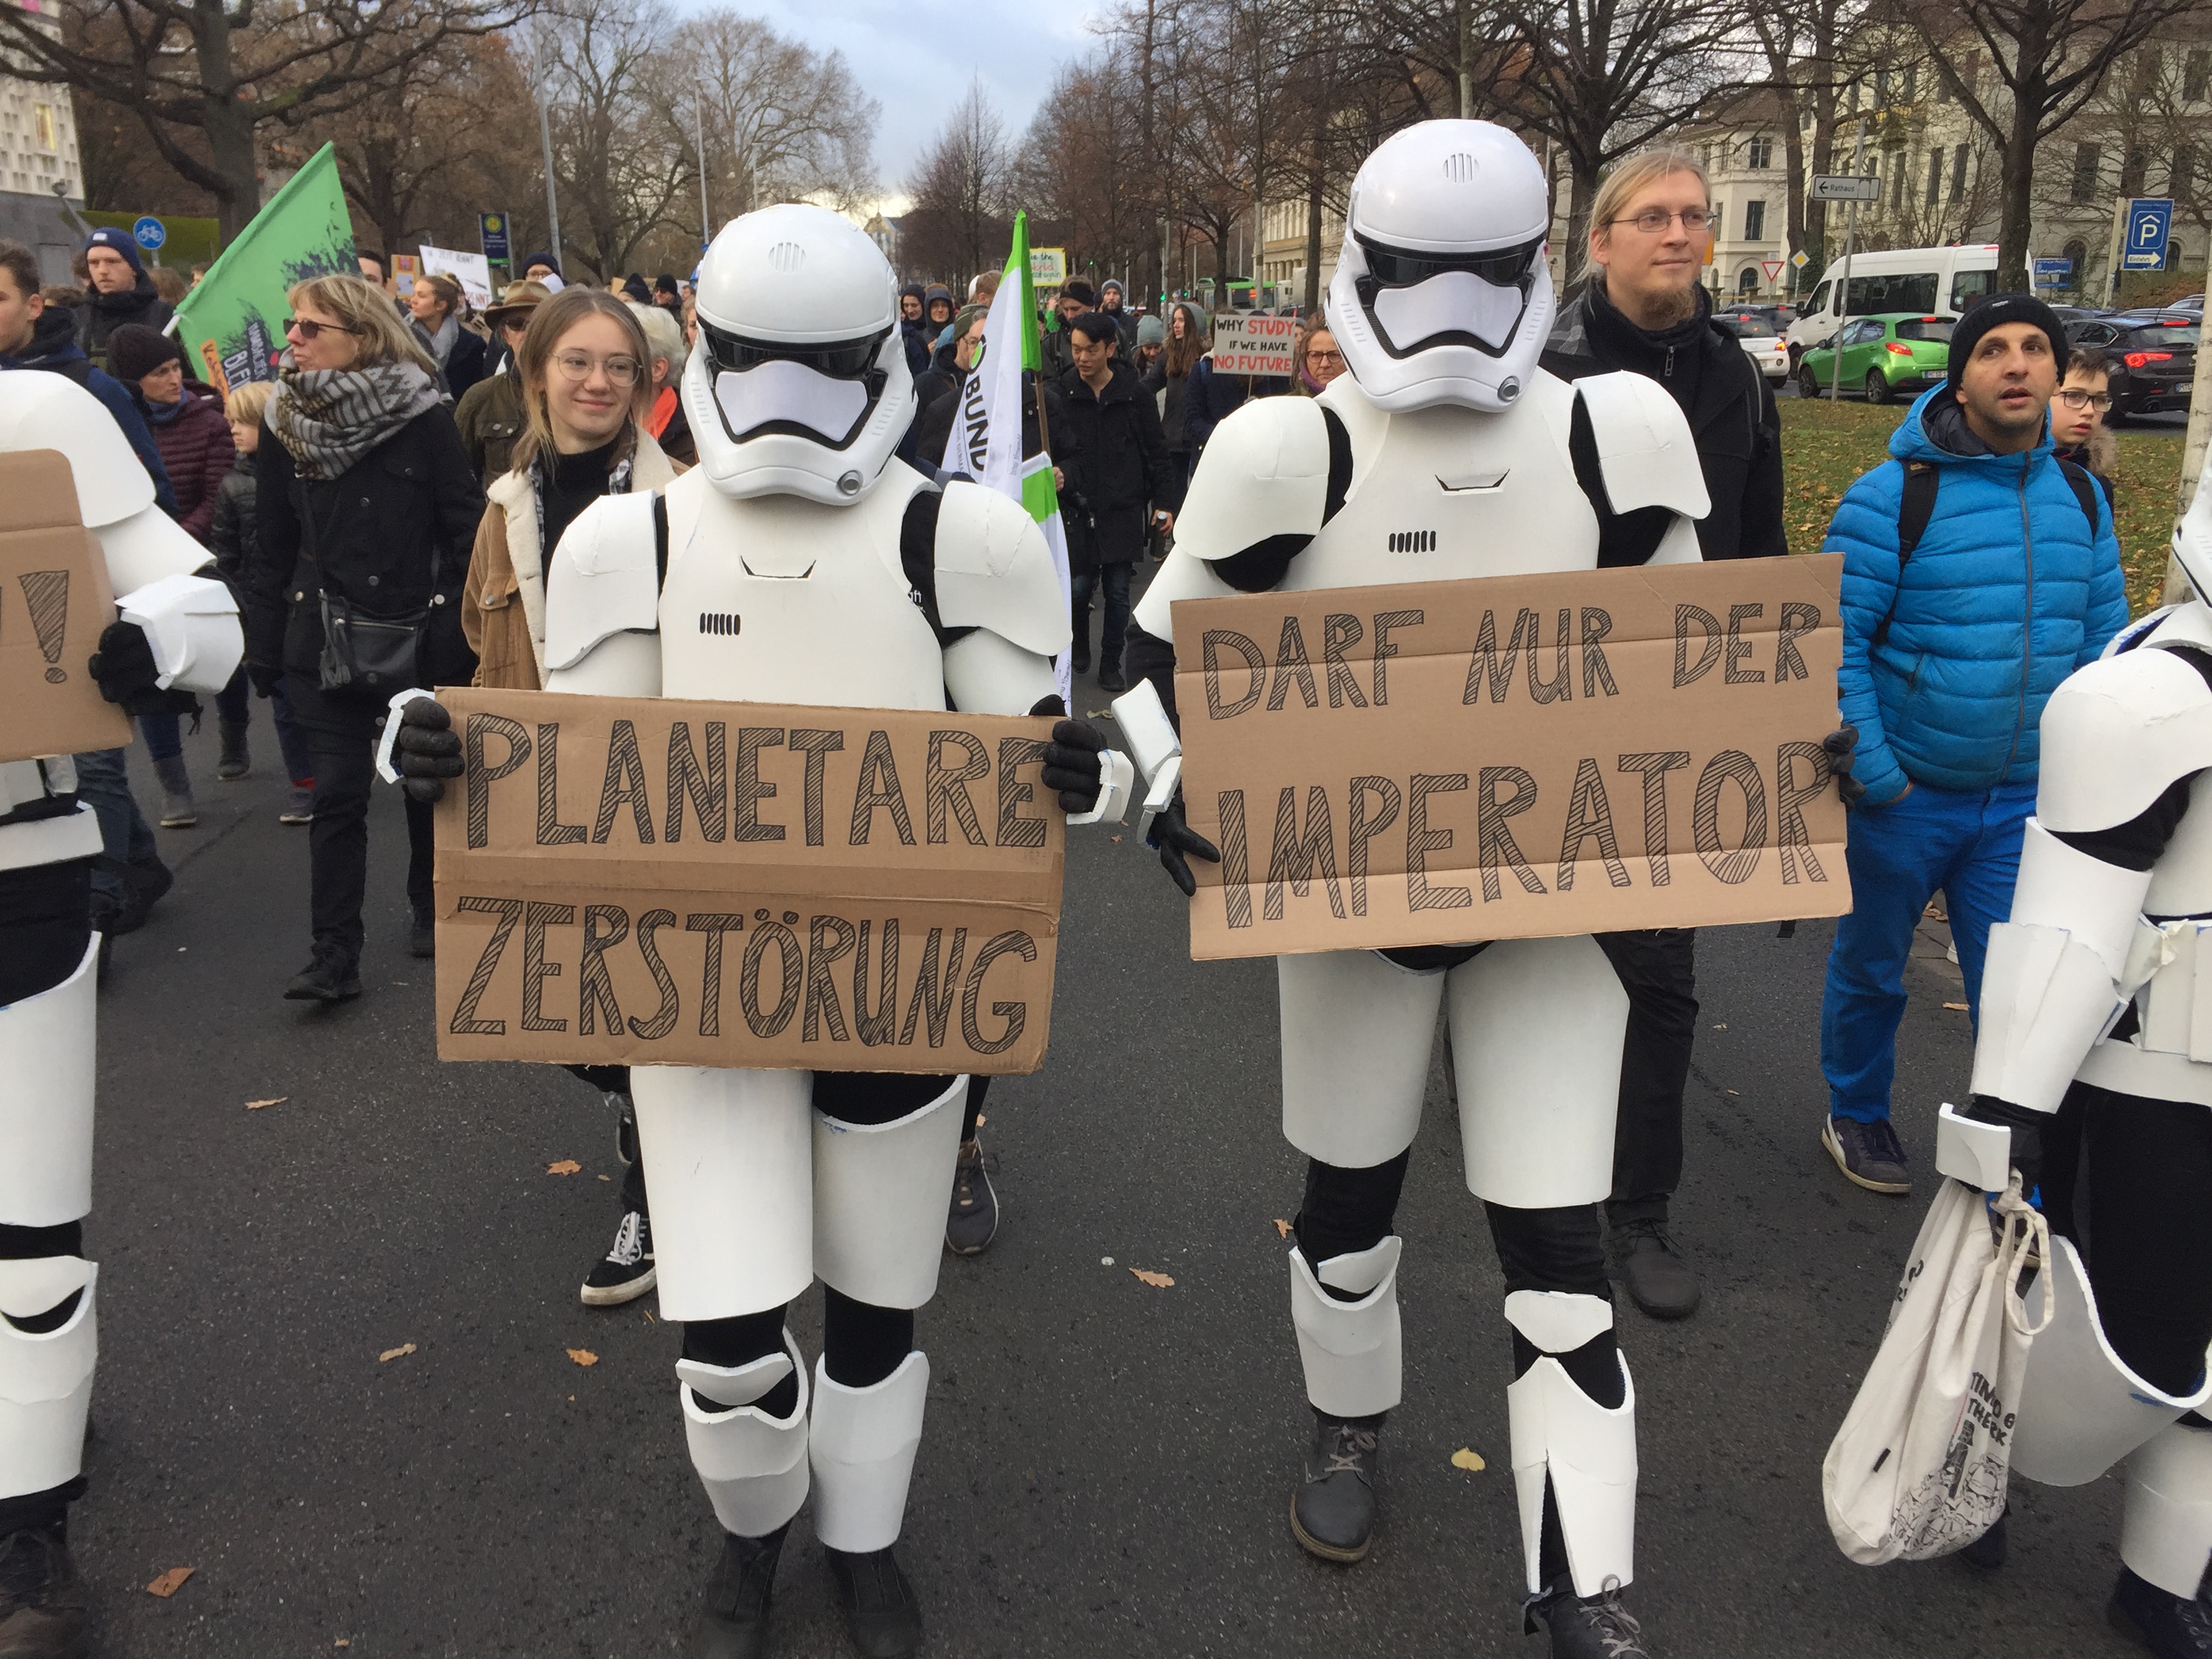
[(1266, 473), (603, 577), (1644, 447), (2116, 734), (51, 411), (994, 570)]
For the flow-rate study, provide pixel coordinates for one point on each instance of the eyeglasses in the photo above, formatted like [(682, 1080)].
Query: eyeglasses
[(578, 365), (1652, 221), (515, 325), (307, 330), (1325, 359), (2073, 398)]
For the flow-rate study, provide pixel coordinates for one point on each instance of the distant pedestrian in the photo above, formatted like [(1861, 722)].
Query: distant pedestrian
[(1150, 356), (984, 287), (1114, 308), (169, 282), (1316, 356), (667, 295), (664, 420), (121, 292), (458, 350), (1077, 298), (948, 375), (1186, 344), (913, 329), (542, 269), (2078, 432), (488, 415), (375, 270), (633, 286)]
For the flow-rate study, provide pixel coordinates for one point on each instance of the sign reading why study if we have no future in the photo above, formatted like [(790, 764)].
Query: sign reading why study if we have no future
[(1513, 757), (640, 881)]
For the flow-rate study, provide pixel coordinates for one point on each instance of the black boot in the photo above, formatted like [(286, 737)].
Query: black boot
[(1079, 662), (332, 975), (44, 1611), (235, 763), (881, 1614), (2171, 1626), (1109, 676), (1333, 1514), (422, 934), (1588, 1627), (733, 1619), (1660, 1281)]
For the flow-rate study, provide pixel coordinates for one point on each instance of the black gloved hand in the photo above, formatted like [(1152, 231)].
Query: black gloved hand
[(1842, 749), (2027, 1128), (124, 671), (264, 677), (1173, 838), (1072, 765), (426, 749)]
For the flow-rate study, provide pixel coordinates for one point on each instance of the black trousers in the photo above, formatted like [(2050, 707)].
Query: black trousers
[(2130, 1182), (342, 733), (46, 923), (1658, 969), (861, 1344)]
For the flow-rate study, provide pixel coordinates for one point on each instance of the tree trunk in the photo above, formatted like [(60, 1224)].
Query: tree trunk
[(1313, 237), (1583, 174), (2016, 215), (228, 122)]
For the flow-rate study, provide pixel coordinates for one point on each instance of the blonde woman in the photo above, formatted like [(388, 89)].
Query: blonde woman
[(460, 352), (366, 509)]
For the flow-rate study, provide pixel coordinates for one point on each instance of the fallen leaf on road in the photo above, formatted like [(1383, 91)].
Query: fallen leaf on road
[(606, 1177), (1722, 1026), (1116, 838), (274, 1100), (342, 1642), (1470, 1461), (566, 1166), (1282, 1228), (1956, 1007), (400, 1353), (1157, 1281), (583, 1356), (981, 1120), (169, 1582)]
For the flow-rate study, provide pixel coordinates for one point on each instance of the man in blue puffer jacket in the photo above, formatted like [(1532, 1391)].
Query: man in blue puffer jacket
[(1950, 650)]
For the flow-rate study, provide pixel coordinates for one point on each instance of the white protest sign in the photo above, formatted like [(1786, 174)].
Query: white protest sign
[(471, 270), (1252, 342)]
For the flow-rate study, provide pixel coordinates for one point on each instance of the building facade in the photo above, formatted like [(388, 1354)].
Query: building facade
[(40, 176)]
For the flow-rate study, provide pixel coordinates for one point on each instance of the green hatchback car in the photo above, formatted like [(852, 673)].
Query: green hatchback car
[(1889, 355)]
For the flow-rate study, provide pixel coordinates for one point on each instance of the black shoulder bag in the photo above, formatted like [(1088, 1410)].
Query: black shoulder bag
[(362, 653)]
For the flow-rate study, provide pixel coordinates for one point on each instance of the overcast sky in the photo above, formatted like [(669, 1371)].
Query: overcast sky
[(917, 58)]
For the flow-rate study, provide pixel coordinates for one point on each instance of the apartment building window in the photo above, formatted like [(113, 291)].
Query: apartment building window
[(1959, 174), (1881, 88), (1935, 176), (2133, 165), (1754, 220), (2181, 172), (42, 124), (1911, 81), (1758, 154), (1897, 180), (2085, 160), (2196, 74)]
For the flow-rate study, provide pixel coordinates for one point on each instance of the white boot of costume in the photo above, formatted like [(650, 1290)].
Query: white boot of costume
[(753, 1466), (2166, 1531), (1352, 1352), (863, 1449), (1588, 1450)]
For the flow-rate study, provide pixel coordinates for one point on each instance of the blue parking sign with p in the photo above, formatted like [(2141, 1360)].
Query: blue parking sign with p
[(2149, 221)]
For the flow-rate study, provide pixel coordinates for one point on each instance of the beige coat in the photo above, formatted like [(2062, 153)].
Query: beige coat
[(503, 608)]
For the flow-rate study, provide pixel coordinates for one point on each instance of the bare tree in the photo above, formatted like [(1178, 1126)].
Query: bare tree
[(603, 67), (204, 77), (781, 121), (1803, 47), (960, 219)]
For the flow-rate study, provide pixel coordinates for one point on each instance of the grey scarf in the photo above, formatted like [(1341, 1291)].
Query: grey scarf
[(440, 345), (328, 418)]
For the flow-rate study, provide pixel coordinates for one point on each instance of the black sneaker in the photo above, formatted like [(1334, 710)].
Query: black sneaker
[(2171, 1626), (974, 1222), (626, 1271), (1870, 1154), (423, 937), (733, 1619), (1588, 1627), (625, 1127), (1110, 679), (1333, 1511), (145, 881), (881, 1614), (333, 976), (44, 1613), (1659, 1280)]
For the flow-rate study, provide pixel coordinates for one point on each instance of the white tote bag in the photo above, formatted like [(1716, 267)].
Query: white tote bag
[(1918, 1468)]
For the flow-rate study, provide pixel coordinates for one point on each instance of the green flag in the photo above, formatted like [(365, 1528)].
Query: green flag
[(231, 325)]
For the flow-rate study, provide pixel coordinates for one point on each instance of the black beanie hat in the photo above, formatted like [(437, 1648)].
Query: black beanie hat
[(1994, 312), (135, 351)]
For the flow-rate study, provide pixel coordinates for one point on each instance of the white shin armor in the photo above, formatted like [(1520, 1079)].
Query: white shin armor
[(48, 1051), (1587, 1450), (2165, 1530), (880, 1194), (2082, 1410), (862, 1451), (45, 1379), (753, 1466), (1352, 1352)]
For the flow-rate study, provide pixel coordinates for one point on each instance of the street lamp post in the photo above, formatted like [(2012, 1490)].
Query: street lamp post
[(552, 201)]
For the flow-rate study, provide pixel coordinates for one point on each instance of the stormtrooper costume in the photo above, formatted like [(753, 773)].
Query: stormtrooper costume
[(182, 631), (1444, 423), (859, 584), (2092, 1078)]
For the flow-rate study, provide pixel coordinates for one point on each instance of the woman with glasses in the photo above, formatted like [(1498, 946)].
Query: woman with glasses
[(1318, 359), (586, 390), (367, 507), (2078, 408), (1641, 308)]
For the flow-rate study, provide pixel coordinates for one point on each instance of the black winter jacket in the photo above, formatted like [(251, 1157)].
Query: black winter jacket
[(469, 361), (1110, 447), (391, 535), (230, 538), (1728, 403), (101, 314)]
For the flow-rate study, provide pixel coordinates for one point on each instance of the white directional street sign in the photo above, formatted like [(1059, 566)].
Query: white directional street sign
[(1845, 187)]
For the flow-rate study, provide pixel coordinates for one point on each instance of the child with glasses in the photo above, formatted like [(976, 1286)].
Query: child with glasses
[(2078, 431)]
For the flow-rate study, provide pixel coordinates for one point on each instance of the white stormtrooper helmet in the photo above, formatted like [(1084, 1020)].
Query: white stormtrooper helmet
[(1441, 295), (798, 384)]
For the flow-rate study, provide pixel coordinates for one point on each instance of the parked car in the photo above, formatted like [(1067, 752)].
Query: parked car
[(1761, 343), (1895, 282), (2156, 355), (1884, 356), (2069, 315)]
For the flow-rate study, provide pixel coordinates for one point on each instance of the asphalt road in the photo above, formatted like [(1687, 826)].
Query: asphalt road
[(1107, 1466)]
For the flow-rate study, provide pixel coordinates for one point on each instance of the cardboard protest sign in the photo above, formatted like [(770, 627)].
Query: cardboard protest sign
[(1252, 342), (645, 881), (1514, 758), (54, 601)]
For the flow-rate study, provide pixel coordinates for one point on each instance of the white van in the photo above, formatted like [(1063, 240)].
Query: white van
[(1940, 282)]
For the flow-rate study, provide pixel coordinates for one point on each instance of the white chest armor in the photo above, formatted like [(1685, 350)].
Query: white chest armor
[(776, 599), (1444, 493)]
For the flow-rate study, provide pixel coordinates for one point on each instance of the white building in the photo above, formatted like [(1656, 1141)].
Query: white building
[(38, 169)]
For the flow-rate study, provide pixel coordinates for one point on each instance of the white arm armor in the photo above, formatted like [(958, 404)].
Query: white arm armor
[(192, 625), (1645, 450), (1153, 741), (602, 601), (995, 570)]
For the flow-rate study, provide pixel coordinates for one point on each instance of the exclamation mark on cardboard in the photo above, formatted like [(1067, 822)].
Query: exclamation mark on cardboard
[(46, 592)]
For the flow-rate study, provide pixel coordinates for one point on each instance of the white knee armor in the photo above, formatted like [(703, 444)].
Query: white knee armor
[(1587, 1451), (1352, 1352), (45, 1377), (753, 1466)]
